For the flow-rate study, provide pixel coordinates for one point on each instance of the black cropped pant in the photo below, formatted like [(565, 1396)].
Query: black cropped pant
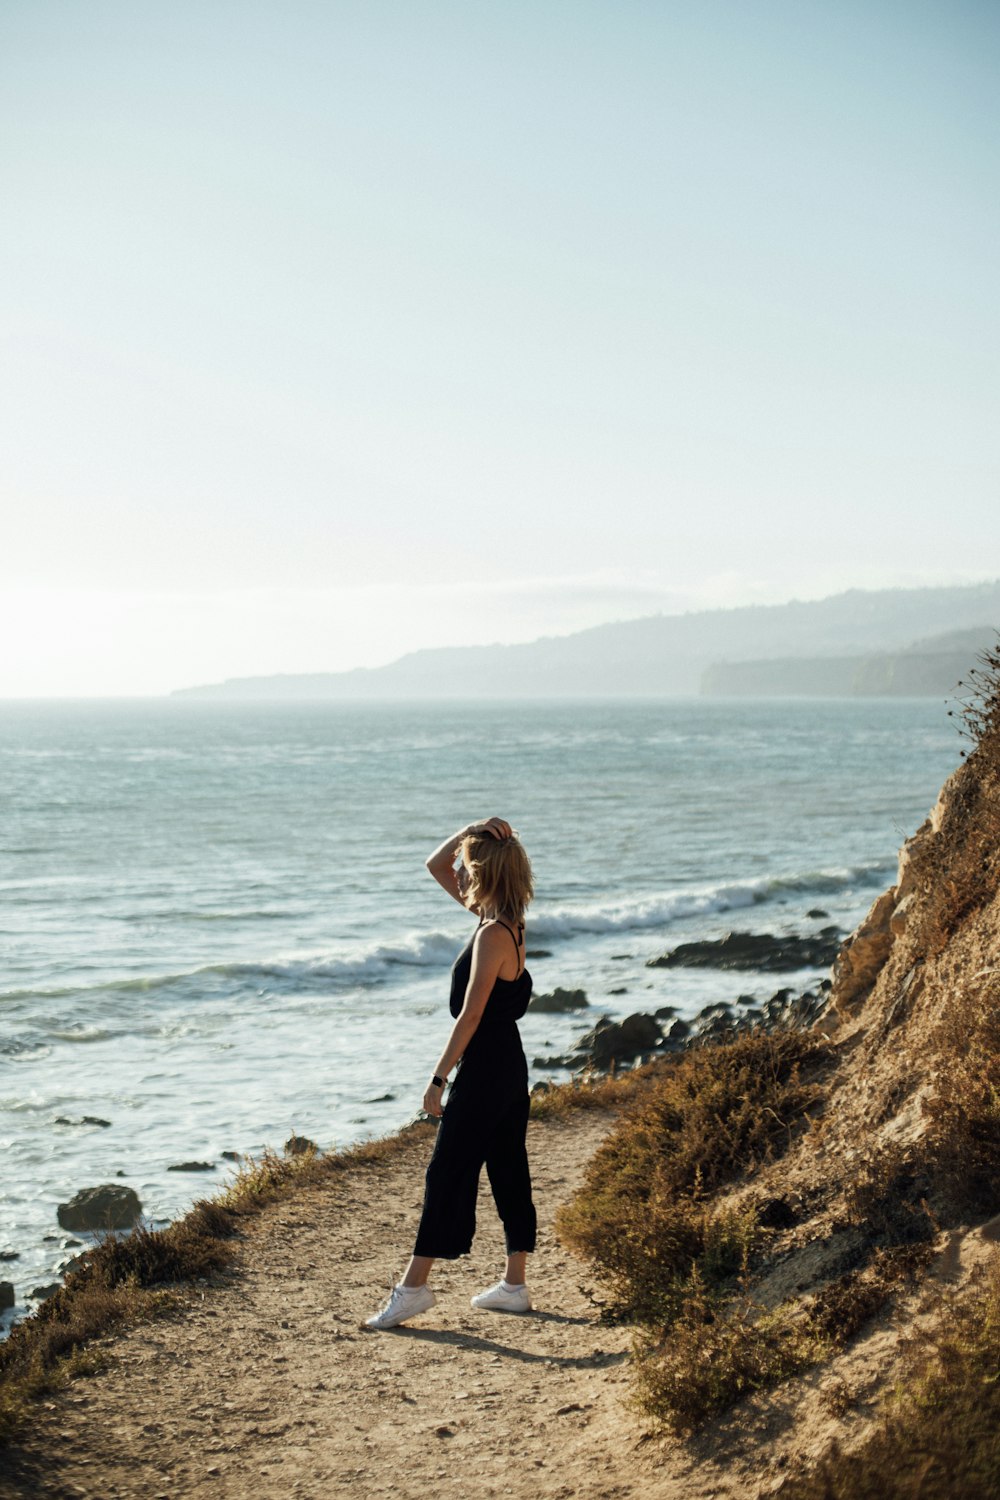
[(480, 1126)]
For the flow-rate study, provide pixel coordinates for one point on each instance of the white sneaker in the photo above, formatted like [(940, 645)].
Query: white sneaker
[(405, 1302), (499, 1299)]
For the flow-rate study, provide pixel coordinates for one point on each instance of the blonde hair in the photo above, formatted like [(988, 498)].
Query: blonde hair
[(499, 874)]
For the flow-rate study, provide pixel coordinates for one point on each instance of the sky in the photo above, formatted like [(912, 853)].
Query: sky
[(337, 328)]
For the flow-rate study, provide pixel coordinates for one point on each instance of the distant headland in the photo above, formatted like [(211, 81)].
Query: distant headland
[(878, 643)]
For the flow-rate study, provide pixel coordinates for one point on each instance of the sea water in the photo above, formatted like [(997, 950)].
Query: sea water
[(217, 928)]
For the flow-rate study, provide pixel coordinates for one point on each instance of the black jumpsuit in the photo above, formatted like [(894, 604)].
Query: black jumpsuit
[(484, 1120)]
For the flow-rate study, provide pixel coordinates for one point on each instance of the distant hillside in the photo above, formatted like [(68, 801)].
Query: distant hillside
[(929, 668), (661, 655)]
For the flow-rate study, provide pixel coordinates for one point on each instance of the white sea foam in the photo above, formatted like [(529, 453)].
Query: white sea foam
[(571, 918)]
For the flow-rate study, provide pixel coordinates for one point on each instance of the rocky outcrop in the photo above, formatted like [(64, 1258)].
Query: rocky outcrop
[(192, 1166), (109, 1206), (860, 960), (753, 950), (558, 1001), (7, 1297)]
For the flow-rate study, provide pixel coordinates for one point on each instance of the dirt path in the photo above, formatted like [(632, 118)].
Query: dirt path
[(267, 1386)]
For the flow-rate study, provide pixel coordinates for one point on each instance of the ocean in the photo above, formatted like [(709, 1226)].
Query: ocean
[(217, 929)]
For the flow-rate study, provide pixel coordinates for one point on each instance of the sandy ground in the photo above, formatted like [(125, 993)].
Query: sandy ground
[(266, 1385)]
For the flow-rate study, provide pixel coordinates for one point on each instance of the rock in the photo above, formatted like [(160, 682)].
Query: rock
[(620, 1041), (7, 1297), (901, 914), (709, 1012), (908, 868), (230, 1155), (95, 1120), (299, 1145), (109, 1206), (47, 1289), (192, 1166), (750, 950), (621, 990), (10, 1255), (558, 1001), (537, 953), (379, 1099), (817, 913), (543, 1086), (665, 1012), (861, 958)]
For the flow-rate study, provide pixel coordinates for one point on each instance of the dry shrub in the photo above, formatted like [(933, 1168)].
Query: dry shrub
[(641, 1216), (712, 1358), (937, 1436), (963, 1141), (843, 1307), (719, 1349), (960, 869), (887, 1197)]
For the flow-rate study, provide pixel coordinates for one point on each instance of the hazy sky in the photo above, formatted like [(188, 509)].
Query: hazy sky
[(336, 329)]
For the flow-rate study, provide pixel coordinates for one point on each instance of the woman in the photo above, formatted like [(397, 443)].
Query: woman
[(486, 1117)]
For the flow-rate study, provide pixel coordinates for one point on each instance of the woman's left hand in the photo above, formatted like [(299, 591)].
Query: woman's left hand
[(432, 1101)]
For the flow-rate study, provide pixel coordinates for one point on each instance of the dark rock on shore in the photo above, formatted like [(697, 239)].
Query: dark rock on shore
[(558, 1001), (192, 1166), (86, 1120), (7, 1297), (10, 1255), (230, 1155), (47, 1289), (298, 1145), (754, 950), (621, 1041), (109, 1206)]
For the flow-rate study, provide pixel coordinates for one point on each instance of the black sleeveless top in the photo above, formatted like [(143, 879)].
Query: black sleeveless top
[(508, 998)]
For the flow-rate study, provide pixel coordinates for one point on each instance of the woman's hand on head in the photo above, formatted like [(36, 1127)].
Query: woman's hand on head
[(497, 828), (432, 1101)]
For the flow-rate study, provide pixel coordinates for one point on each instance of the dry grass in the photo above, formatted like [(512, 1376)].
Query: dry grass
[(938, 1437), (608, 1091), (963, 1140)]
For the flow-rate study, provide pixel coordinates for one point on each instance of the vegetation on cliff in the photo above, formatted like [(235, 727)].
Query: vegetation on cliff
[(748, 1254)]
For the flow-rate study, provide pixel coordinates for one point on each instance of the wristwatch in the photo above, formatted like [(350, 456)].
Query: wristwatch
[(437, 1082)]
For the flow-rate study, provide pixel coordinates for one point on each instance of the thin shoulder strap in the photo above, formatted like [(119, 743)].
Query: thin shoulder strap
[(517, 944)]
